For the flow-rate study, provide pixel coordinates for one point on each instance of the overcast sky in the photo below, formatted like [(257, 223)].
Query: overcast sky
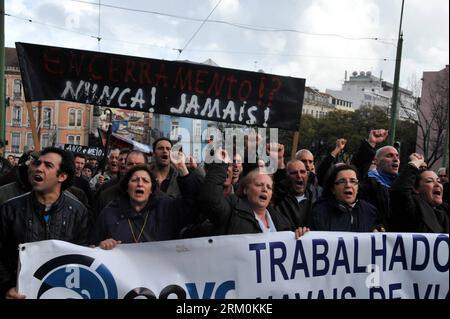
[(310, 52)]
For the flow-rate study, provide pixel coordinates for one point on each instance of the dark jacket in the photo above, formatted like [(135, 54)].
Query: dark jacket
[(105, 197), (330, 215), (164, 216), (286, 203), (232, 214), (410, 213), (22, 221), (370, 189)]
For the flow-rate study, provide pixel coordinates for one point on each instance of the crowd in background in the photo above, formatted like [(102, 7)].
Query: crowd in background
[(139, 197)]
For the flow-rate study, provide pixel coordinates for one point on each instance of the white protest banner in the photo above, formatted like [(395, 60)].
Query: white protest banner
[(274, 265)]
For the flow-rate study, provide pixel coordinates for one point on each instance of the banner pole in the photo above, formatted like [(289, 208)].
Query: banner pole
[(37, 142)]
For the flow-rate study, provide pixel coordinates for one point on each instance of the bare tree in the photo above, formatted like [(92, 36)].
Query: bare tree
[(430, 114)]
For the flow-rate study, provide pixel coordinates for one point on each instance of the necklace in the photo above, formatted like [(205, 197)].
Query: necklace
[(136, 240)]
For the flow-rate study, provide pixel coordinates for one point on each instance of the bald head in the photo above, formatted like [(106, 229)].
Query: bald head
[(387, 160)]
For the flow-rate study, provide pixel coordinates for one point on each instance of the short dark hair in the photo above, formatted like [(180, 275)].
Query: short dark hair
[(331, 176), (419, 176), (81, 156), (124, 150), (159, 140), (89, 166), (67, 165), (123, 184)]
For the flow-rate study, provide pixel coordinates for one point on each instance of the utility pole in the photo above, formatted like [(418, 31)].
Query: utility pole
[(445, 148), (398, 61), (2, 74)]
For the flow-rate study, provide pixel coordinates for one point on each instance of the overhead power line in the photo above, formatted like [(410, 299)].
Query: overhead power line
[(201, 25), (239, 25), (258, 53)]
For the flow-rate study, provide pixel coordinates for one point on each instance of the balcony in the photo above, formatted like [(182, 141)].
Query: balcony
[(15, 148), (16, 123)]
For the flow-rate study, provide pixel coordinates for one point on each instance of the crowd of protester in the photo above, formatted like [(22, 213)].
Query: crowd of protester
[(138, 197)]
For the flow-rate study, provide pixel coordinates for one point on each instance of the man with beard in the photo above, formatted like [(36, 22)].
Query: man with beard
[(46, 212), (165, 174)]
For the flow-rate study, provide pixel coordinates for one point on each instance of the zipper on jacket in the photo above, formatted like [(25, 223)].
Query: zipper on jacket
[(47, 229), (63, 230), (30, 230)]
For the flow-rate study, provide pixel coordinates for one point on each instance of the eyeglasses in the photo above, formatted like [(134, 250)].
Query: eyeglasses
[(352, 182), (137, 179)]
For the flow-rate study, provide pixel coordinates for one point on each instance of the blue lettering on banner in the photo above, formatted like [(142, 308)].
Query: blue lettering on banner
[(258, 247), (414, 263), (341, 262), (180, 292), (299, 251), (221, 290), (376, 290), (320, 256), (356, 267), (379, 252), (398, 246), (277, 261), (439, 239), (427, 293), (392, 288)]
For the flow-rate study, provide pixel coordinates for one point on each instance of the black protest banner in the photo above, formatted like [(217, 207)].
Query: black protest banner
[(166, 87), (85, 150)]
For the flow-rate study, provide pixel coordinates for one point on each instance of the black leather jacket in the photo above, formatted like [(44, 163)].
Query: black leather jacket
[(22, 220)]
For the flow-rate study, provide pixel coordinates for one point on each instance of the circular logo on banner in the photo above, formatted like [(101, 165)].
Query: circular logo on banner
[(75, 277)]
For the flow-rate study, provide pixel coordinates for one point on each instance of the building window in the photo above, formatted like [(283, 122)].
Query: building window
[(45, 140), (174, 129), (74, 139), (30, 142), (47, 117), (197, 130), (17, 89), (75, 117), (15, 142), (17, 116), (34, 115)]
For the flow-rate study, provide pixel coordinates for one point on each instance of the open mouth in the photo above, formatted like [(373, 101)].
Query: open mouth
[(165, 157), (348, 193), (395, 165), (263, 197), (299, 183), (437, 192), (38, 178)]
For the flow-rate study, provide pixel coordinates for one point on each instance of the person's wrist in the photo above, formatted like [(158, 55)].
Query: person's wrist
[(414, 163), (183, 171), (371, 143)]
